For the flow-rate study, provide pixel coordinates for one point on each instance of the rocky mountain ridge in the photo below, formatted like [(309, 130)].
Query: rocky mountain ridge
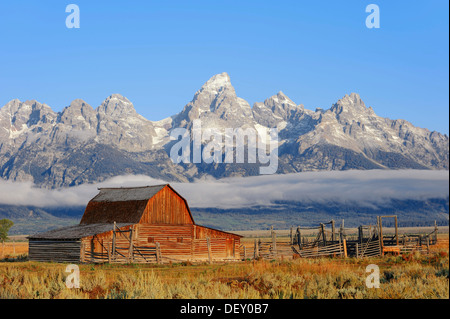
[(81, 144)]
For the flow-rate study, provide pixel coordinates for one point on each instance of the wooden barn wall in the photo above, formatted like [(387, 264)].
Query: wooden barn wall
[(96, 248), (64, 251), (166, 207), (203, 232), (175, 240), (177, 243), (223, 245)]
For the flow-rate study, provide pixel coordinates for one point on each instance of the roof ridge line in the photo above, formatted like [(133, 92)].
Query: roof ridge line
[(133, 187)]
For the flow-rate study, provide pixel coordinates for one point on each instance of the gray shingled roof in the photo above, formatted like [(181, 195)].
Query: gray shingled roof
[(77, 232), (127, 193)]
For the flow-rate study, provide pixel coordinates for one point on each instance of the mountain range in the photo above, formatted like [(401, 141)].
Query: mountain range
[(81, 144)]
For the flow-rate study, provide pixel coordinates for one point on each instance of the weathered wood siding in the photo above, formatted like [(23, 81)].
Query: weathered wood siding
[(96, 248), (224, 245), (166, 207), (178, 243), (64, 251), (175, 240)]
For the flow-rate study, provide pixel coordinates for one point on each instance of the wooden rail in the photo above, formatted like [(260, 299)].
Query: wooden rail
[(369, 243), (335, 250), (325, 243)]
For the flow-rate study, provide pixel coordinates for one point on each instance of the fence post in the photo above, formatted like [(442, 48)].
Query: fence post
[(435, 232), (332, 230), (274, 243), (130, 249), (291, 239), (245, 253), (82, 252), (396, 229), (360, 234), (208, 244), (341, 231), (259, 248), (357, 251), (381, 249), (158, 253), (114, 242), (323, 234), (344, 242), (380, 229)]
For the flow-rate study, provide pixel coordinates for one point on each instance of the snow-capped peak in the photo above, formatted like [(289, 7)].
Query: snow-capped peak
[(218, 81), (117, 105), (350, 104), (282, 98), (352, 100)]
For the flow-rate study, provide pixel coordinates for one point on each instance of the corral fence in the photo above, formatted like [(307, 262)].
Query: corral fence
[(326, 240), (121, 250)]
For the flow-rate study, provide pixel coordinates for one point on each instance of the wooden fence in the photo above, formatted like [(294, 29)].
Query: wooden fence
[(331, 243), (322, 242), (335, 250), (201, 250), (368, 249), (123, 254), (261, 249)]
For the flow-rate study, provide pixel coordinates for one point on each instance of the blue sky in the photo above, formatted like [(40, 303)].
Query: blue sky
[(158, 53)]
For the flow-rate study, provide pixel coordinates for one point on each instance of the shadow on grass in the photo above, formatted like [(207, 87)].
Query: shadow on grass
[(11, 259)]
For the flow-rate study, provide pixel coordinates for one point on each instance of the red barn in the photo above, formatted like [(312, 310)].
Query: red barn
[(138, 224)]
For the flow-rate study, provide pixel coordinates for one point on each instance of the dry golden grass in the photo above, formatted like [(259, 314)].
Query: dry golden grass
[(401, 278), (13, 249)]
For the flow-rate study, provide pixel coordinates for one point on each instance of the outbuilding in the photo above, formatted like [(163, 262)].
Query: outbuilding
[(138, 224)]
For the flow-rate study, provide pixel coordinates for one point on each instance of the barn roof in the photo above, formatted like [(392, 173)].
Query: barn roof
[(123, 194), (77, 231), (122, 205)]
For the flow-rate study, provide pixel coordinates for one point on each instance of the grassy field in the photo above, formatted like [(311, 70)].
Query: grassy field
[(13, 249), (407, 277)]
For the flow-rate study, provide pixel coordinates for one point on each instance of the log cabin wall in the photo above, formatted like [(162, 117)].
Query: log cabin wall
[(64, 251)]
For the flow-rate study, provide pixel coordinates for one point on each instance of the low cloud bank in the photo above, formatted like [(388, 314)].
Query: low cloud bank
[(364, 187)]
